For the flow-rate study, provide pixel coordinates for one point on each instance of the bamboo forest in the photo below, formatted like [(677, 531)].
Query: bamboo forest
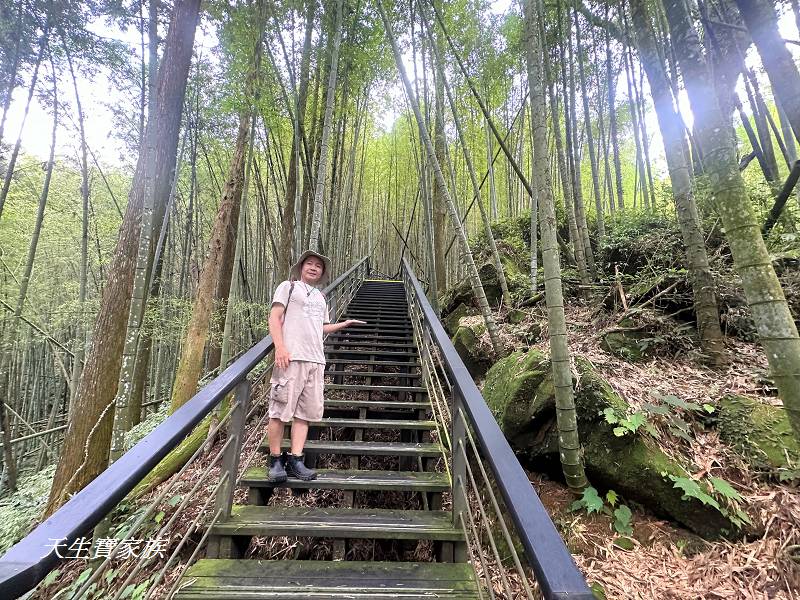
[(541, 256)]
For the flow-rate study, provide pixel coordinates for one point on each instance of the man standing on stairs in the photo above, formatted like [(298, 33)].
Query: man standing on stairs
[(297, 321)]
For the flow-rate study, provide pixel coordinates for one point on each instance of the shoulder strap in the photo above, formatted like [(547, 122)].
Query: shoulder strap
[(288, 299)]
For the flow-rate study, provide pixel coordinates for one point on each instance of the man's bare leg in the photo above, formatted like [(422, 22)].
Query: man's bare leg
[(299, 435), (275, 435)]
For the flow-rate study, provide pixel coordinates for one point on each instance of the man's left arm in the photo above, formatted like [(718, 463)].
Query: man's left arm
[(331, 327)]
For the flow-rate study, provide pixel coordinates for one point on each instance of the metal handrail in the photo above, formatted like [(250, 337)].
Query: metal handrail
[(555, 570), (31, 559)]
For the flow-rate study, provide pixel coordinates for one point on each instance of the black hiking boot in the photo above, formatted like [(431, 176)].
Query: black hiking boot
[(296, 468), (277, 468)]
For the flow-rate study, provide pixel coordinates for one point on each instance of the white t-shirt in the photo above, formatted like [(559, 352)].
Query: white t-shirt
[(304, 317)]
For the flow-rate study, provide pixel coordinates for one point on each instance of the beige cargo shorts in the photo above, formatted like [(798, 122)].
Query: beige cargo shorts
[(297, 391)]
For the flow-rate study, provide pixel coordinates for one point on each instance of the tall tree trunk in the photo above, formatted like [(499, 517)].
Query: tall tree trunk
[(535, 201), (8, 92), (322, 167), (768, 162), (574, 153), (612, 116), (762, 23), (568, 440), (439, 204), (490, 170), (771, 314), (632, 105), (288, 221), (80, 335), (88, 437), (563, 170), (191, 361), (705, 302), (476, 190), (13, 332), (475, 282), (12, 161), (587, 116)]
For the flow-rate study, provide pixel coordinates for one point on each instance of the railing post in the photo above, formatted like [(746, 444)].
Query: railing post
[(230, 460), (219, 546), (459, 469)]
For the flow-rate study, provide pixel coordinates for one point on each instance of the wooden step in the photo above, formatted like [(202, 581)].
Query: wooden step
[(376, 404), (361, 523), (384, 363), (375, 343), (405, 332), (350, 448), (375, 303), (378, 323), (226, 579), (369, 352), (359, 387), (377, 308), (386, 315), (379, 320), (375, 423), (379, 374), (381, 337), (381, 303), (353, 479)]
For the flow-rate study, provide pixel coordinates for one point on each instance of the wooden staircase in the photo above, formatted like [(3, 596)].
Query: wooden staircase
[(377, 412)]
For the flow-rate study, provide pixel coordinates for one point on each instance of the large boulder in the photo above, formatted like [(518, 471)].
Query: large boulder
[(760, 432), (453, 320), (469, 347), (461, 293), (519, 391)]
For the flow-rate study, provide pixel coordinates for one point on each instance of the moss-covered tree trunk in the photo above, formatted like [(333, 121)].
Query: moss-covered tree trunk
[(88, 437), (217, 271), (568, 439), (191, 361), (762, 289), (705, 301)]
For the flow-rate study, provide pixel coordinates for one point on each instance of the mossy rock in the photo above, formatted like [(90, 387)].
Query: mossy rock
[(516, 316), (452, 321), (461, 293), (635, 469), (519, 391), (629, 342), (760, 432), (466, 342), (510, 391)]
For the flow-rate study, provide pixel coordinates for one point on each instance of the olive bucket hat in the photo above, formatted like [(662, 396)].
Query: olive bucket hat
[(294, 274)]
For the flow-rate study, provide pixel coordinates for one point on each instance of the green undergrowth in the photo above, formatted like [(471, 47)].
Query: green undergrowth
[(21, 510), (153, 420)]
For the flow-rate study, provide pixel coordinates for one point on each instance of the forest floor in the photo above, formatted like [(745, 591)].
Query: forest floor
[(666, 561)]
